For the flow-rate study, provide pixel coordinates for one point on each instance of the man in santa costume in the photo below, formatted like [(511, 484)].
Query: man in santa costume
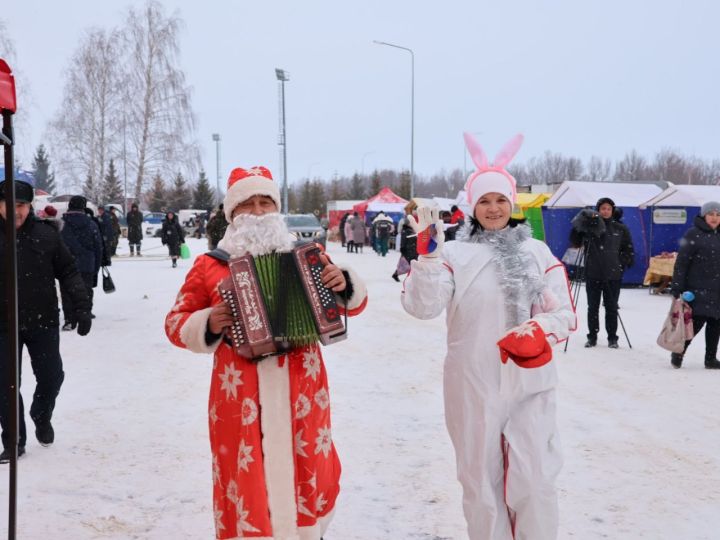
[(275, 470)]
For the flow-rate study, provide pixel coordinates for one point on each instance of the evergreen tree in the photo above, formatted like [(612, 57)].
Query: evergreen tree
[(305, 198), (41, 170), (203, 194), (157, 197), (403, 188), (90, 189), (375, 183), (337, 192), (357, 187), (180, 196), (318, 201), (112, 191)]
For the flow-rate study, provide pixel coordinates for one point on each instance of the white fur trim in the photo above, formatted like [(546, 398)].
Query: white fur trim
[(245, 188), (192, 333), (277, 444), (490, 182), (359, 291)]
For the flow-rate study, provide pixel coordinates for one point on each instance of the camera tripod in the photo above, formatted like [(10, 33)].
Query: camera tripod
[(579, 277)]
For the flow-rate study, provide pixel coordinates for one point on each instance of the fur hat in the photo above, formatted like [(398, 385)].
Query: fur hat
[(77, 202), (604, 200), (489, 178), (245, 183), (24, 192), (710, 206)]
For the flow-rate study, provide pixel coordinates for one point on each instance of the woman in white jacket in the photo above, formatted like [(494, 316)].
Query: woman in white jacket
[(506, 297)]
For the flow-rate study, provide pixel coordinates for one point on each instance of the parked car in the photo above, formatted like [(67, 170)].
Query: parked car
[(306, 228), (152, 224)]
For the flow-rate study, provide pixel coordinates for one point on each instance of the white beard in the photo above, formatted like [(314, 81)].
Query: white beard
[(256, 235)]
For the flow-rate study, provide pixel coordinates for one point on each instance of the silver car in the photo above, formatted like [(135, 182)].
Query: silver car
[(305, 228)]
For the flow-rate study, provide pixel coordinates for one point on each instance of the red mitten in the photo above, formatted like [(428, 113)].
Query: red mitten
[(525, 345)]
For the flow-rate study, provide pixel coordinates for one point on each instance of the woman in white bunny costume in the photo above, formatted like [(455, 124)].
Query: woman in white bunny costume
[(506, 298)]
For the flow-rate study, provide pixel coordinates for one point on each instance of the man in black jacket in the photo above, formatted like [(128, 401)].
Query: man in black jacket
[(608, 252), (41, 259)]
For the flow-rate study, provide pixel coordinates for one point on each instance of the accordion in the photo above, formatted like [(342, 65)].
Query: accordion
[(278, 302)]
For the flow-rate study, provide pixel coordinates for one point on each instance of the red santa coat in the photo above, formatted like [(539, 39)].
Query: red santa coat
[(275, 469)]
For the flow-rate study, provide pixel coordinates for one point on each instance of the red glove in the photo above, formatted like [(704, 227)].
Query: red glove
[(526, 346)]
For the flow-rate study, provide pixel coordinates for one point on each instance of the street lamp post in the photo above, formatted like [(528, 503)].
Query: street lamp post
[(216, 138), (412, 111), (282, 77)]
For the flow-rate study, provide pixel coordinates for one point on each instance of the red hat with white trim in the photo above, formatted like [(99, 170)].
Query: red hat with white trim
[(245, 183)]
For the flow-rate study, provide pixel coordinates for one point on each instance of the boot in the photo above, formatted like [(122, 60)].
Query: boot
[(591, 342), (139, 254), (676, 360), (613, 343), (45, 433), (395, 276), (174, 260), (132, 250), (712, 363), (5, 456)]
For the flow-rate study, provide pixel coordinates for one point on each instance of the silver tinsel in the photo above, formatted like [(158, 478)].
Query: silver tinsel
[(516, 271)]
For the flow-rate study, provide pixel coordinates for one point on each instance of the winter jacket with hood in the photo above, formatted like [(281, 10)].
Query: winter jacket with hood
[(42, 257), (172, 234), (82, 237), (697, 269), (134, 222), (609, 254)]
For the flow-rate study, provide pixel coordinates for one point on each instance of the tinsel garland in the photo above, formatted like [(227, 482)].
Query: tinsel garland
[(520, 285)]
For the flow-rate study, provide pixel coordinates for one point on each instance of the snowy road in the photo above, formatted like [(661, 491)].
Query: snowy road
[(131, 458)]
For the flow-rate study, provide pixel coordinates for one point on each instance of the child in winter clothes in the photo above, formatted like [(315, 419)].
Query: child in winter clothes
[(275, 470), (507, 301)]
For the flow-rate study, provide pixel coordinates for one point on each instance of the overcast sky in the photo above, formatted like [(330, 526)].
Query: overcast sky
[(578, 77)]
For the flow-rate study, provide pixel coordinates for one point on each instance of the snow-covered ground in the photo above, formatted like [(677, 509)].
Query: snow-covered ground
[(131, 457)]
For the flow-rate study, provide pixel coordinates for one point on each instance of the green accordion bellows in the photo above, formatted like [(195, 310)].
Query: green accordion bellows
[(287, 308)]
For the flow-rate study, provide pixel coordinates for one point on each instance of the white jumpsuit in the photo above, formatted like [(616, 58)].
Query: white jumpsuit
[(501, 418)]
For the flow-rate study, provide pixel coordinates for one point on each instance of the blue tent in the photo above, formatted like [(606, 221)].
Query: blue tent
[(671, 213), (571, 197)]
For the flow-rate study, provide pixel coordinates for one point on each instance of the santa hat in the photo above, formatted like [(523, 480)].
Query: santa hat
[(245, 183), (491, 178)]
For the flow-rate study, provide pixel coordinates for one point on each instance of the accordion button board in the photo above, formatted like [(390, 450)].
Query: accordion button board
[(252, 333)]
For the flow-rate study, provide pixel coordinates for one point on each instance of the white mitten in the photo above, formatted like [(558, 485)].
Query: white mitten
[(429, 229)]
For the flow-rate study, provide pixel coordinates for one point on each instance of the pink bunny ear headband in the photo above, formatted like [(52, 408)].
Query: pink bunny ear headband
[(491, 178)]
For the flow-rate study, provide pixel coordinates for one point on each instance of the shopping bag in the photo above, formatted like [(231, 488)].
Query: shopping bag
[(403, 266), (677, 327), (184, 251), (107, 281)]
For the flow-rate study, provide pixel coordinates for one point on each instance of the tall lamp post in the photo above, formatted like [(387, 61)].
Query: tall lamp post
[(216, 138), (412, 111), (282, 77)]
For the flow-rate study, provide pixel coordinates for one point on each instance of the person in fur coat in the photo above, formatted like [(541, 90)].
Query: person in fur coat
[(507, 302), (274, 466)]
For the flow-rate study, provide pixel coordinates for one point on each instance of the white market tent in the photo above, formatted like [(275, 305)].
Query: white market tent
[(580, 194), (684, 195)]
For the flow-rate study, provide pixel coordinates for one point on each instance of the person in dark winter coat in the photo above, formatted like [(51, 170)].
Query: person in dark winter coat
[(343, 220), (172, 236), (82, 237), (135, 234), (105, 259), (408, 247), (609, 252), (115, 228), (697, 270), (42, 258), (216, 228)]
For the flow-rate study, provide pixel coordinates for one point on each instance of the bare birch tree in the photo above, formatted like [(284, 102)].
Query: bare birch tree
[(85, 132), (160, 122), (598, 170)]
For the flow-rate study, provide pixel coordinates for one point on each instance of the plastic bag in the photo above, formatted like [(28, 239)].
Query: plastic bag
[(184, 251), (677, 328)]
